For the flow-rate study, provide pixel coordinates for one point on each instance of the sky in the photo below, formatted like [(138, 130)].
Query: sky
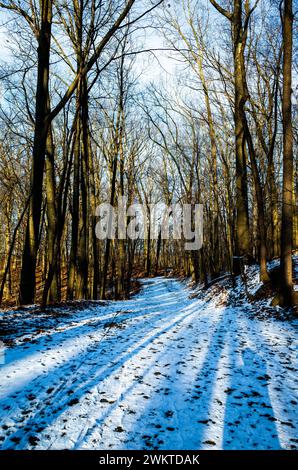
[(4, 51), (150, 67)]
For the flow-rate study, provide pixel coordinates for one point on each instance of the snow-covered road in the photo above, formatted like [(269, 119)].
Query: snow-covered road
[(159, 371)]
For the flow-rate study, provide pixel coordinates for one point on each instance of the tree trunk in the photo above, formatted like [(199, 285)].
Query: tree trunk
[(93, 238), (75, 210), (82, 262), (27, 284), (108, 241), (242, 219), (53, 291), (287, 190), (260, 204)]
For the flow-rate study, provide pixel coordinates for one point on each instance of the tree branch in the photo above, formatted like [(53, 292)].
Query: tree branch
[(221, 10), (96, 55)]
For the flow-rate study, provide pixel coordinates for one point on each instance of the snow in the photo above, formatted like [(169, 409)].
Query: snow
[(163, 370)]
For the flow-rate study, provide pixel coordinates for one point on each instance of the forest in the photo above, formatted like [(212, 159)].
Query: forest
[(79, 127), (112, 107)]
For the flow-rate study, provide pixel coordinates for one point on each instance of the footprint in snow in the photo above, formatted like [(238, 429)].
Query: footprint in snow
[(119, 429)]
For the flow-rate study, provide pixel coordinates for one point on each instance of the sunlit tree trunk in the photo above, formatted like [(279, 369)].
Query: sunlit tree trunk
[(27, 284), (53, 291), (287, 190), (242, 219)]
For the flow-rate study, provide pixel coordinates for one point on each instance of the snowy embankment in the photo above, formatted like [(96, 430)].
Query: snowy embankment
[(160, 371)]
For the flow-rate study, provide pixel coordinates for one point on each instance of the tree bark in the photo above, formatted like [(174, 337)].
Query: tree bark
[(82, 261), (260, 204), (242, 219), (53, 292), (287, 190), (27, 284), (75, 209)]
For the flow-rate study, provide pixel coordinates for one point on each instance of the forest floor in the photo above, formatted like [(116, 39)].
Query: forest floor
[(171, 368)]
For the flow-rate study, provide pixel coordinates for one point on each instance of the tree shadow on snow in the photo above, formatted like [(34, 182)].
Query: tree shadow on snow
[(228, 405)]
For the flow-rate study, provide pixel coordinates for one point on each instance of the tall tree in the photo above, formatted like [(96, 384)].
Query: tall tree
[(287, 189), (239, 37), (43, 119), (27, 285)]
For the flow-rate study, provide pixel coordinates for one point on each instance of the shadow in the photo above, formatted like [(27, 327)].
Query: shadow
[(228, 404), (178, 326), (249, 415), (205, 384), (180, 413), (92, 374), (80, 323)]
